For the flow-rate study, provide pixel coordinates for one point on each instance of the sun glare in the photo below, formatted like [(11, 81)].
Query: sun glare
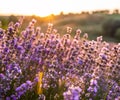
[(47, 7)]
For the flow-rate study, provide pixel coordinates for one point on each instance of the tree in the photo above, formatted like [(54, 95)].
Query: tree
[(110, 27), (12, 18)]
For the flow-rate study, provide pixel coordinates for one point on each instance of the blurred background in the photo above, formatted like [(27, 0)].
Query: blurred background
[(93, 17)]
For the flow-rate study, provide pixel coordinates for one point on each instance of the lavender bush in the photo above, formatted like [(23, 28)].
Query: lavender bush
[(48, 66)]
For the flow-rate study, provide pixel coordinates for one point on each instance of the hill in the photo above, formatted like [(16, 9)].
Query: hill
[(88, 23)]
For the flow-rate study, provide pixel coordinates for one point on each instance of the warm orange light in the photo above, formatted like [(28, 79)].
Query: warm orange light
[(47, 7)]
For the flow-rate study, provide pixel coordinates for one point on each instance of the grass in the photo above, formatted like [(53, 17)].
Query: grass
[(91, 24)]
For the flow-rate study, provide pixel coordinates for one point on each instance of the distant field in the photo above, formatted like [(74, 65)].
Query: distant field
[(91, 24)]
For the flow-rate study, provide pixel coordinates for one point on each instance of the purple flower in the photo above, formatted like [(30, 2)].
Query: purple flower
[(18, 89), (29, 46), (90, 89), (13, 97), (24, 85), (10, 29), (20, 93), (2, 76), (104, 57), (93, 82), (36, 79), (1, 31), (95, 89), (8, 98), (80, 61), (6, 50), (19, 47), (17, 24), (10, 67), (74, 63), (14, 41), (29, 82)]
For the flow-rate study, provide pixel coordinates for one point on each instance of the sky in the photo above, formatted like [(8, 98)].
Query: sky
[(47, 7)]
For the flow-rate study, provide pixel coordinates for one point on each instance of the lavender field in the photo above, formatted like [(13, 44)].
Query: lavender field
[(36, 65)]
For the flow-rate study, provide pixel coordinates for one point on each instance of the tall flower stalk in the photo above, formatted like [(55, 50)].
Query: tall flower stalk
[(37, 65)]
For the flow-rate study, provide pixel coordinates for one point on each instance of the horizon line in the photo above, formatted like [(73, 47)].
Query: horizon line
[(65, 13)]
